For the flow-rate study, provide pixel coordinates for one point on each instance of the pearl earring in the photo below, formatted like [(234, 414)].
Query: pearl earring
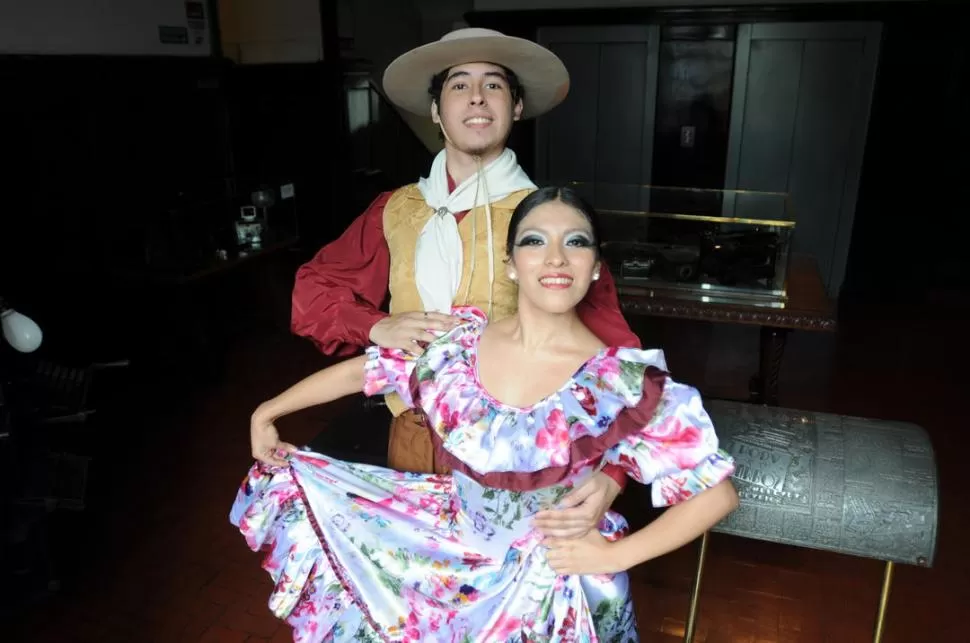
[(512, 276), (596, 276)]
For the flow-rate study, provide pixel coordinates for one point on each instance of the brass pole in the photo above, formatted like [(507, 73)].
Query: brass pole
[(695, 591), (887, 581)]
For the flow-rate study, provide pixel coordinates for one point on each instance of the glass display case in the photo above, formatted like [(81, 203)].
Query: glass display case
[(727, 246)]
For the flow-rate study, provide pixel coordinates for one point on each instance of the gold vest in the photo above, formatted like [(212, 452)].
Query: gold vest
[(405, 216)]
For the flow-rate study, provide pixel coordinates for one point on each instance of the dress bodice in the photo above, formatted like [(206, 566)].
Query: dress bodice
[(619, 407), (495, 519)]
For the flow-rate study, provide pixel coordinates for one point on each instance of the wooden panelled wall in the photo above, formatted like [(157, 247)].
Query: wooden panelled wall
[(784, 106), (758, 99)]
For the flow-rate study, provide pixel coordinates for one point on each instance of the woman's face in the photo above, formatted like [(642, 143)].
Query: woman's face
[(554, 257)]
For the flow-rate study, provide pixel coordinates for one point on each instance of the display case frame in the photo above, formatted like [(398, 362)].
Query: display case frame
[(699, 244)]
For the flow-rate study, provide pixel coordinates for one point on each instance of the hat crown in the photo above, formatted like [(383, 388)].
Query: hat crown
[(471, 32), (539, 70)]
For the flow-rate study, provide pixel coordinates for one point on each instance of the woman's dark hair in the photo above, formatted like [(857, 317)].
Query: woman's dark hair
[(565, 194)]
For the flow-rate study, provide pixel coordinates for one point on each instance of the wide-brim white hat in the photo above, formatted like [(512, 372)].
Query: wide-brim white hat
[(543, 76)]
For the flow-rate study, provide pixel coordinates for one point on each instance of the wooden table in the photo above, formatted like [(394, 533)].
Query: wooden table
[(808, 308)]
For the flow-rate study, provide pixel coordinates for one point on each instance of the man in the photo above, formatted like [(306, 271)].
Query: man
[(438, 242)]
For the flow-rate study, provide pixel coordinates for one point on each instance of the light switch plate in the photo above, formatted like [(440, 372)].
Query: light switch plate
[(687, 136)]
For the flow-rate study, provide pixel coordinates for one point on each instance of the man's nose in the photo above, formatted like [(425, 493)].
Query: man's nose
[(477, 96)]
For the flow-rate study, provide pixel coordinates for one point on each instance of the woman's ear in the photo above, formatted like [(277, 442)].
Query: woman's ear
[(596, 271)]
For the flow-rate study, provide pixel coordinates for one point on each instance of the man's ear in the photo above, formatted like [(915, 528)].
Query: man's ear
[(435, 118), (517, 110)]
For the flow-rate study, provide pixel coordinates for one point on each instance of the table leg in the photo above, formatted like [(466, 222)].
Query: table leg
[(696, 591), (764, 385), (887, 581)]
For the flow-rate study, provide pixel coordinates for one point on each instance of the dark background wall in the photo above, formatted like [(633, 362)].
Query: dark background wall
[(907, 237), (100, 148)]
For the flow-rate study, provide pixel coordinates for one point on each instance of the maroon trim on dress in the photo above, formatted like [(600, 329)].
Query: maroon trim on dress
[(628, 422), (336, 566)]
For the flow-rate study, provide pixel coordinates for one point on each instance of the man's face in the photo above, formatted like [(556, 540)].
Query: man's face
[(476, 108)]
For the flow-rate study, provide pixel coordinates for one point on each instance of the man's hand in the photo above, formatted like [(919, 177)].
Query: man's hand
[(410, 331), (580, 510)]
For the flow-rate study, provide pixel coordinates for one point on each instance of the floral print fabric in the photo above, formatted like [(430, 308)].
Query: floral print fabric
[(364, 553)]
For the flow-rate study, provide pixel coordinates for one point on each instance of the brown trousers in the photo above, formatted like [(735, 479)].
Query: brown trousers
[(409, 447)]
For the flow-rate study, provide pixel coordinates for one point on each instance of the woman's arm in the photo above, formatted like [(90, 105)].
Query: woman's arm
[(677, 526), (324, 386), (333, 383)]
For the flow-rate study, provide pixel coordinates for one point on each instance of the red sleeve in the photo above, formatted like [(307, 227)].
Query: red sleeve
[(600, 312), (616, 472), (337, 294)]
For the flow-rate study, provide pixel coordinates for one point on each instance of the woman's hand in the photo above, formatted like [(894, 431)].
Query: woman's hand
[(591, 554), (581, 509), (265, 441)]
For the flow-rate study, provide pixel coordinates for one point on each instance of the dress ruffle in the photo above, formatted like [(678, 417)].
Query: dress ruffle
[(618, 408), (362, 553), (490, 437), (272, 514)]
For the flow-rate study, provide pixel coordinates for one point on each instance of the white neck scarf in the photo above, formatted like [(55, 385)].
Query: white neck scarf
[(438, 256)]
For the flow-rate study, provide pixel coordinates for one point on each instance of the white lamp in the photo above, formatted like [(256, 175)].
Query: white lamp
[(20, 331)]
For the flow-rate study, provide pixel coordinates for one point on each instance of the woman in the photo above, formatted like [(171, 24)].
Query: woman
[(522, 410)]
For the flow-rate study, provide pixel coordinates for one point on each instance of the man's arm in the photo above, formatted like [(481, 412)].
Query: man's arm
[(600, 312), (337, 294)]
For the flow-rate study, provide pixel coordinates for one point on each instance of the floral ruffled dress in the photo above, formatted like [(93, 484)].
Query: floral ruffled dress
[(365, 553)]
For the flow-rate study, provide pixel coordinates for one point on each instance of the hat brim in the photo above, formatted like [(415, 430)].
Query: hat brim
[(543, 76)]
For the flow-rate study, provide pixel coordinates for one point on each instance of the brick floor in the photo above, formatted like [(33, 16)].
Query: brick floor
[(157, 560)]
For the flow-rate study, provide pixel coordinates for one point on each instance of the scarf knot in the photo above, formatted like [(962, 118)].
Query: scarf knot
[(438, 257)]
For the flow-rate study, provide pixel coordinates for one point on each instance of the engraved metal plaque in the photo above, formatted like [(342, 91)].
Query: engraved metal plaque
[(843, 484)]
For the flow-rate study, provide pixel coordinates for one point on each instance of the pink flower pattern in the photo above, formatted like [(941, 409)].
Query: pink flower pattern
[(363, 553)]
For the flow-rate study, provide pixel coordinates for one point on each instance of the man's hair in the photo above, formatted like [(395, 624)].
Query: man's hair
[(438, 84)]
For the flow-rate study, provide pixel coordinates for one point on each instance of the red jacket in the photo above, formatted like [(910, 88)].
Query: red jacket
[(338, 293)]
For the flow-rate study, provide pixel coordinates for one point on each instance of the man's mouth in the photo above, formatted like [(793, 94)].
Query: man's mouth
[(478, 121)]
